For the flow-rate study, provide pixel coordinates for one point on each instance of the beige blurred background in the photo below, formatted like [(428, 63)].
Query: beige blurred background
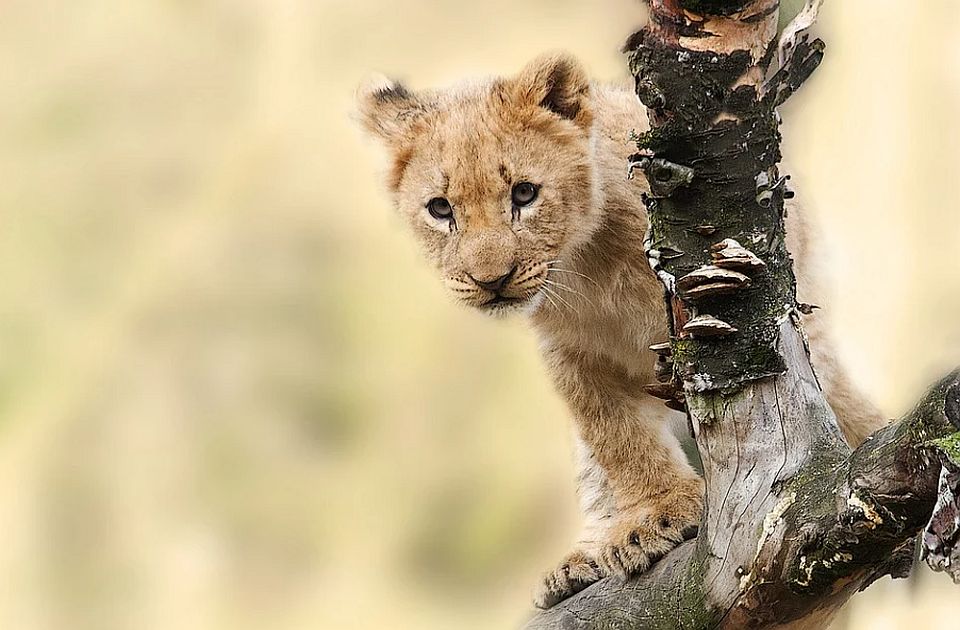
[(232, 397)]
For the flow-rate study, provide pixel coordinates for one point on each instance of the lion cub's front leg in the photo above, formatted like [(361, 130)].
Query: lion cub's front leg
[(638, 493)]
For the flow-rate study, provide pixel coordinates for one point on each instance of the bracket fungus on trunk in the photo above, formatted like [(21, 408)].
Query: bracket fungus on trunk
[(711, 281), (729, 254), (707, 326)]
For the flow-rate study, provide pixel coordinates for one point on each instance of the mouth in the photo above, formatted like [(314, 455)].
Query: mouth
[(501, 300)]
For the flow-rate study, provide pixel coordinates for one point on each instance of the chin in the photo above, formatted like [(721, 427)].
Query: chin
[(506, 307), (503, 309)]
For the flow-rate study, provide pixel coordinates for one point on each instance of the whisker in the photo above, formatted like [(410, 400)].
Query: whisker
[(560, 298), (551, 295), (550, 299), (576, 273), (560, 285)]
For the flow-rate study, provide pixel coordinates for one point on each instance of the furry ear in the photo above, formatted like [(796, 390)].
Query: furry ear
[(387, 109), (557, 83)]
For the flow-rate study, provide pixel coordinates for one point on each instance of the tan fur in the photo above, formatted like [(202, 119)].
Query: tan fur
[(580, 274)]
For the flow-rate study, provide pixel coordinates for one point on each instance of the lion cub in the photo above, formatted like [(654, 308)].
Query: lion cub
[(517, 190)]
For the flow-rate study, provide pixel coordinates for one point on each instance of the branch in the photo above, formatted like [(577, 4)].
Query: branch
[(831, 535), (794, 523)]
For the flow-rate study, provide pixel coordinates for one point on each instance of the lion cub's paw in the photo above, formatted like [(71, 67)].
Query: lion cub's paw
[(634, 548), (636, 542), (577, 571)]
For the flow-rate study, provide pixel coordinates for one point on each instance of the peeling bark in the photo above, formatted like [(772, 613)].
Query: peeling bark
[(941, 538), (794, 522)]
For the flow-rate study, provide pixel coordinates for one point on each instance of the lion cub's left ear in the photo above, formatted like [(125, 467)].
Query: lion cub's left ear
[(387, 109), (558, 83)]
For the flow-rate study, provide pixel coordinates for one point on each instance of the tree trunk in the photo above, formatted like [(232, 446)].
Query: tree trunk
[(794, 522)]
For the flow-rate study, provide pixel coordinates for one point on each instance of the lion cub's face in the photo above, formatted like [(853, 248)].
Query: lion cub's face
[(496, 180)]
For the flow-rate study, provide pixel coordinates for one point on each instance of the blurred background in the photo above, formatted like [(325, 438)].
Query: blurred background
[(231, 394)]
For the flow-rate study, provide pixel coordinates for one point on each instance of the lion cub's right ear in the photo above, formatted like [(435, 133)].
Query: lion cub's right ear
[(387, 109), (555, 82)]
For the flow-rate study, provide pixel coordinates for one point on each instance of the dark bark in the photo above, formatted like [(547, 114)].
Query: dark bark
[(720, 198)]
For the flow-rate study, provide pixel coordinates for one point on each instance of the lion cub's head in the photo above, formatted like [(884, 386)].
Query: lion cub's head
[(496, 179)]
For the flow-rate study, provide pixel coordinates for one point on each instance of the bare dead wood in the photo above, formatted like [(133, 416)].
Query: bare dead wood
[(794, 522)]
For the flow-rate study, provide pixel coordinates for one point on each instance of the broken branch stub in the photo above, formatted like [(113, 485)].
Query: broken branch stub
[(941, 537)]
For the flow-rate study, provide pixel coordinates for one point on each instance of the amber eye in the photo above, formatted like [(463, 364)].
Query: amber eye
[(524, 194), (440, 208)]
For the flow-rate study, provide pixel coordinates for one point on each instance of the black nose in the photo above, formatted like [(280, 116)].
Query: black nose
[(495, 285)]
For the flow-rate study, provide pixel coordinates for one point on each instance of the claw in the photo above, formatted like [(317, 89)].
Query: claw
[(691, 532)]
